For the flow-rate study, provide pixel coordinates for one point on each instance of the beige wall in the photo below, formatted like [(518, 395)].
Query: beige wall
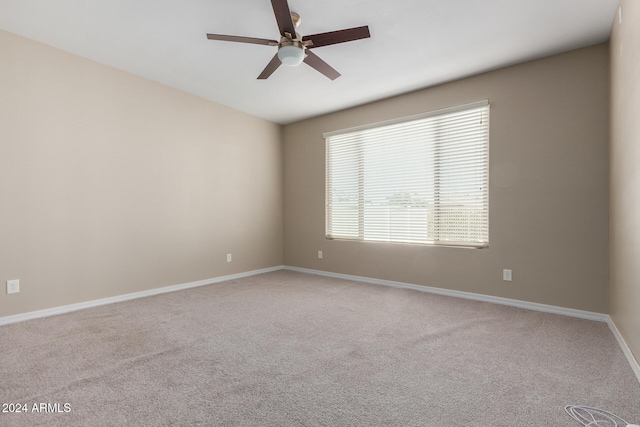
[(111, 184), (548, 187), (625, 175)]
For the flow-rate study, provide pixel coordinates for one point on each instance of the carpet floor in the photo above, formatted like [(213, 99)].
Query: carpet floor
[(292, 349)]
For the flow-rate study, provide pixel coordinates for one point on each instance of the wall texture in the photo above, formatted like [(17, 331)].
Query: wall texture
[(112, 184), (625, 175), (548, 187)]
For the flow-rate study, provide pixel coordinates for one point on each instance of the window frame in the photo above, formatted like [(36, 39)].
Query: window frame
[(484, 104)]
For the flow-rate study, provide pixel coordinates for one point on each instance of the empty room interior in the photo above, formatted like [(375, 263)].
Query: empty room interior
[(183, 244)]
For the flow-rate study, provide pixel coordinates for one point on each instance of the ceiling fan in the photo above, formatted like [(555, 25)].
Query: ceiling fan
[(293, 49)]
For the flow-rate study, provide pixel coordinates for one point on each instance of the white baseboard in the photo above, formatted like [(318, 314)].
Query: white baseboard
[(447, 292), (440, 291), (589, 315), (94, 303), (635, 366)]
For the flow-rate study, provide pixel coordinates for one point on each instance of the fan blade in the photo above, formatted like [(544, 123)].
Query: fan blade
[(314, 61), (241, 39), (270, 68), (283, 17), (335, 37)]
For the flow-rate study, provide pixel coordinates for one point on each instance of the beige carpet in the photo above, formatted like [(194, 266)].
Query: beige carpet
[(291, 349)]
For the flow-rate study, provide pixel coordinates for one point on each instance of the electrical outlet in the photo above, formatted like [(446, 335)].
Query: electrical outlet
[(507, 275), (13, 286), (319, 254), (229, 257)]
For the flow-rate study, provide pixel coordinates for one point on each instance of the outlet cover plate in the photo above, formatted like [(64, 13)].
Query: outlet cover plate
[(13, 286)]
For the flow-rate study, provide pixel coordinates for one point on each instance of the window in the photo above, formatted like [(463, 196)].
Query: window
[(422, 179)]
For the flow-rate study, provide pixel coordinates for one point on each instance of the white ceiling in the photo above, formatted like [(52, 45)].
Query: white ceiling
[(413, 44)]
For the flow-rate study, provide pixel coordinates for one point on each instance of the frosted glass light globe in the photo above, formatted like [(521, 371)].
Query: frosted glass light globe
[(291, 55)]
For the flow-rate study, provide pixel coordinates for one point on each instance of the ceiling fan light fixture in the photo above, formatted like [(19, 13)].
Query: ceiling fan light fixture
[(294, 49), (291, 54)]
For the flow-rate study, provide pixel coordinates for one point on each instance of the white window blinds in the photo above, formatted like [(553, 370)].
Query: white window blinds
[(422, 179)]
